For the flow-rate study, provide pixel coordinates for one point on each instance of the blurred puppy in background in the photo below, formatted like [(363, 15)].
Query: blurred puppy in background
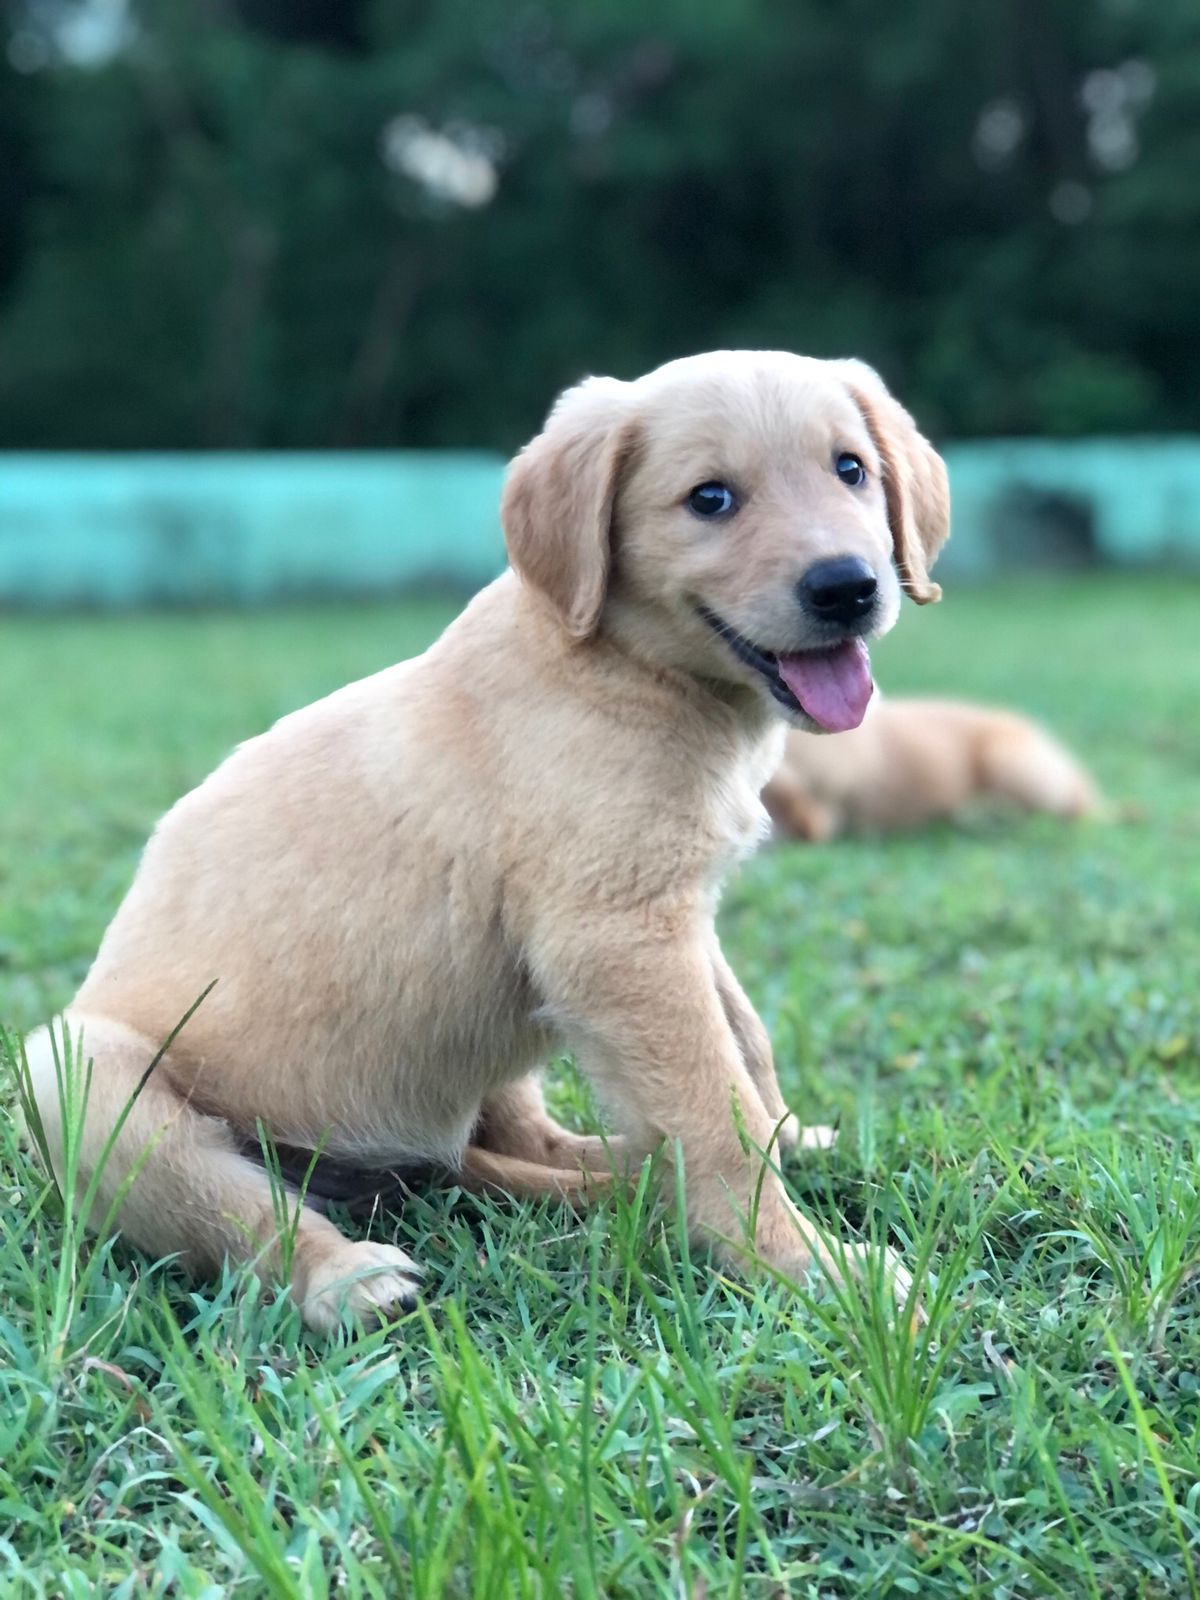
[(912, 762)]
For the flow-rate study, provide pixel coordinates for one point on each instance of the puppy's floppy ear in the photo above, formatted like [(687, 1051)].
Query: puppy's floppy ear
[(915, 484), (557, 506)]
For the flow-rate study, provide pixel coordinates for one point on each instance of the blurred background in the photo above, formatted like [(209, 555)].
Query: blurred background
[(283, 281)]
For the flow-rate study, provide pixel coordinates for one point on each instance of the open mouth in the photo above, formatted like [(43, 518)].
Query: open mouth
[(832, 685)]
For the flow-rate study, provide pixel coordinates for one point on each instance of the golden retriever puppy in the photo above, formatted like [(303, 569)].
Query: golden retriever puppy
[(412, 893), (912, 762)]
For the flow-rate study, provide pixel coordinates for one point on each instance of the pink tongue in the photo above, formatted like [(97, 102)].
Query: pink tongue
[(834, 686)]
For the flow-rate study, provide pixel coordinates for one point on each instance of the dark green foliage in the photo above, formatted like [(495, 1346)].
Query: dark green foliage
[(202, 245)]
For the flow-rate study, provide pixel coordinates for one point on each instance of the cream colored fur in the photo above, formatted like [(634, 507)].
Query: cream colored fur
[(917, 761), (412, 893)]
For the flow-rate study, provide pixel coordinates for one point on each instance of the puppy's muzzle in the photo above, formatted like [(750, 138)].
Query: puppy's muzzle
[(842, 591)]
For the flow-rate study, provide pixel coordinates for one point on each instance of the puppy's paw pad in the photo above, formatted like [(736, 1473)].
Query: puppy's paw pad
[(366, 1282)]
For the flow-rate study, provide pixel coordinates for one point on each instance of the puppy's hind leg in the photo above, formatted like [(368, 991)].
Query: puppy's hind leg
[(1022, 763), (514, 1122), (192, 1193), (488, 1172)]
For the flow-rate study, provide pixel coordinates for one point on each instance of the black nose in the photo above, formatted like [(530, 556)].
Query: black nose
[(841, 590)]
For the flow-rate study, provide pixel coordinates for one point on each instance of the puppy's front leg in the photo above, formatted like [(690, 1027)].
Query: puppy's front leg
[(755, 1045), (754, 1042), (646, 1020)]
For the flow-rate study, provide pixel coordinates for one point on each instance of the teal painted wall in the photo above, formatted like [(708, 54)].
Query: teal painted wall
[(244, 529), (1140, 499), (155, 529)]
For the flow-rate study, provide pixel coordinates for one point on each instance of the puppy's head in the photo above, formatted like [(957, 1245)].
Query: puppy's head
[(750, 517)]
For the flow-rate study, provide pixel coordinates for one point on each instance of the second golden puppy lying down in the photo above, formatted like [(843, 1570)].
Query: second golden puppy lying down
[(912, 762), (415, 892)]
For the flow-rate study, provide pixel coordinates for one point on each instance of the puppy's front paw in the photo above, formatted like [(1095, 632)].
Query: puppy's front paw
[(897, 1279), (815, 1261), (861, 1264), (363, 1281), (793, 1135)]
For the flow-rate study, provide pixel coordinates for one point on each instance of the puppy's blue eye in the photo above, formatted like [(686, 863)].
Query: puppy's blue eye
[(850, 470), (711, 500)]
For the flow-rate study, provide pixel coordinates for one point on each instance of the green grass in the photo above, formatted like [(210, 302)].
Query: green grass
[(1004, 1019)]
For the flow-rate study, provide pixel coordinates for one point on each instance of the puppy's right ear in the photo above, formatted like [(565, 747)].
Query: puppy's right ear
[(557, 506), (915, 484)]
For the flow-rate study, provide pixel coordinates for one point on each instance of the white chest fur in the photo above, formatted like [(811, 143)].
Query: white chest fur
[(741, 819)]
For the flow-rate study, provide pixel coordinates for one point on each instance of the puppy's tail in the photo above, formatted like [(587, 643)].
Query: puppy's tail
[(1022, 763)]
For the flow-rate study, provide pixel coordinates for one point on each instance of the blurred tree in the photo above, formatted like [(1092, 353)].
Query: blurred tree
[(380, 222), (17, 180)]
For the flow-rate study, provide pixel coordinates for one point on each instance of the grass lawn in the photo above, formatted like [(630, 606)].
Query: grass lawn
[(1005, 1020)]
